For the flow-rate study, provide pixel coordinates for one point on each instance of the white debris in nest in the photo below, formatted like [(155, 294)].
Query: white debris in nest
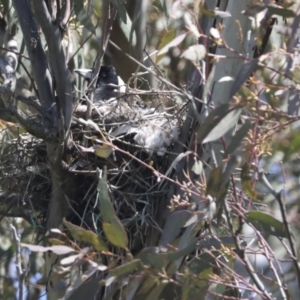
[(154, 131), (157, 135)]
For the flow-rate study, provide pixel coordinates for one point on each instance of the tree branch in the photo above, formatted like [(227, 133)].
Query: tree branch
[(63, 84), (33, 127), (36, 53)]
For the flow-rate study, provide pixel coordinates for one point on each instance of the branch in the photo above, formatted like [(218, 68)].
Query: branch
[(63, 84), (20, 272), (36, 53), (34, 128), (67, 14), (109, 15)]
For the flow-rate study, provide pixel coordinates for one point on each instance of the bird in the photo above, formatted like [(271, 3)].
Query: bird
[(107, 76)]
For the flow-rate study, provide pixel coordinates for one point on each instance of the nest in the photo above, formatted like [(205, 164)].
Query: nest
[(142, 136)]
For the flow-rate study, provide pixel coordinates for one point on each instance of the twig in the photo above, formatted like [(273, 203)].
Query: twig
[(278, 197), (18, 260)]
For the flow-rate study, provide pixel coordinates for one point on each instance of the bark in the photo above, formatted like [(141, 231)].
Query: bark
[(58, 108)]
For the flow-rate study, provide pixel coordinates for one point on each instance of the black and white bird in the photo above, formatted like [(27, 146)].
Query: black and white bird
[(106, 79)]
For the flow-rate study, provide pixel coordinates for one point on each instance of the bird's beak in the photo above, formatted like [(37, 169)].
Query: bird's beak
[(85, 73)]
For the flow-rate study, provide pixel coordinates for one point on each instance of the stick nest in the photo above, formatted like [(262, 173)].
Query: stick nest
[(133, 169)]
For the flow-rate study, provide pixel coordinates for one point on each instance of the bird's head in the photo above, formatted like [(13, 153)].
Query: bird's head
[(106, 77)]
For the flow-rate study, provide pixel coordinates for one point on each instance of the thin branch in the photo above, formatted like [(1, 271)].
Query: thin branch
[(109, 15), (67, 14), (63, 84), (36, 53), (243, 257), (18, 260), (33, 127), (285, 222)]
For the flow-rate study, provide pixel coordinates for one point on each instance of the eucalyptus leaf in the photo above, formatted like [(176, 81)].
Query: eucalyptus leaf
[(194, 53), (238, 138), (127, 268), (197, 167), (174, 225), (120, 4), (283, 12), (86, 236), (112, 227), (83, 17), (128, 31), (266, 223), (165, 8), (218, 122), (58, 250), (173, 43), (242, 76)]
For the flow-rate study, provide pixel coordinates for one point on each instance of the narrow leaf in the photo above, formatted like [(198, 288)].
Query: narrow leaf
[(103, 151), (285, 13), (59, 250), (120, 4), (266, 223), (238, 138), (208, 84), (127, 268), (242, 76), (194, 53), (83, 17), (175, 42), (247, 184), (86, 236), (165, 8), (115, 233), (219, 121), (167, 37), (112, 227), (198, 167), (174, 225), (128, 30)]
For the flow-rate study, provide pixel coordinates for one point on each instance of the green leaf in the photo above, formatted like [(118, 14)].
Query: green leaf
[(173, 43), (112, 227), (128, 31), (214, 181), (194, 53), (167, 37), (86, 236), (242, 76), (285, 13), (214, 13), (154, 256), (58, 250), (238, 138), (165, 8), (248, 184), (266, 223), (115, 233), (198, 167), (174, 224), (209, 82), (120, 4), (103, 151), (127, 268), (83, 17), (218, 122), (56, 242)]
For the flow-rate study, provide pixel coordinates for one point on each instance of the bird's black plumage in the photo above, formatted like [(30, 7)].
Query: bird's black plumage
[(107, 76)]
